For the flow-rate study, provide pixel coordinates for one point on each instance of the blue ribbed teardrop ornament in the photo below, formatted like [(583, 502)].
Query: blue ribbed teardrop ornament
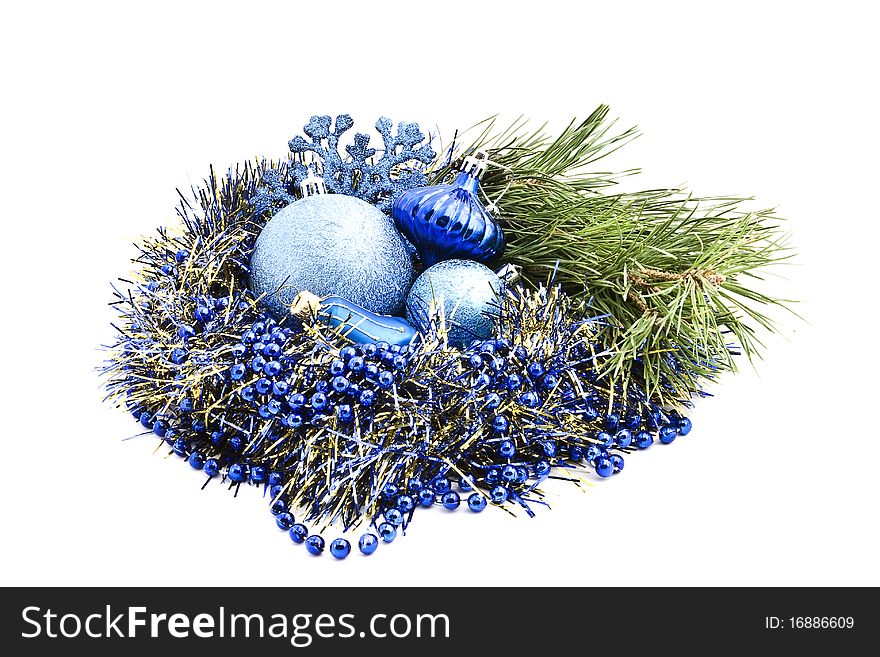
[(448, 221)]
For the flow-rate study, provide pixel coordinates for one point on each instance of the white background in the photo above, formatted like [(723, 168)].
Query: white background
[(106, 108)]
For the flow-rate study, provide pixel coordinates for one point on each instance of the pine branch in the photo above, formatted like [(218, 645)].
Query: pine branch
[(675, 273)]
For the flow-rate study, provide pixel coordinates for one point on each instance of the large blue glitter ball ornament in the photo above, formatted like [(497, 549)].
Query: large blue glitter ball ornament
[(331, 244), (469, 293), (449, 221)]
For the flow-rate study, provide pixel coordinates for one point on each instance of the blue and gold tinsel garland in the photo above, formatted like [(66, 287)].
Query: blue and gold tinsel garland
[(346, 428)]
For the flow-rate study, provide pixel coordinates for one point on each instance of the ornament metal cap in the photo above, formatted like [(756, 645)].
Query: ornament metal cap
[(312, 185), (476, 164)]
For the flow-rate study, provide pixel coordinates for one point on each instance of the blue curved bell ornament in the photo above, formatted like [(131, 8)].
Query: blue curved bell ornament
[(449, 221)]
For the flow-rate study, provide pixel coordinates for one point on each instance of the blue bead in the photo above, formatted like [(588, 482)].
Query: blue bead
[(426, 497), (576, 454), (212, 468), (590, 413), (274, 406), (278, 506), (549, 381), (181, 255), (371, 372), (520, 353), (508, 473), (237, 472), (280, 388), (284, 520), (502, 345), (322, 386), (340, 548), (499, 494), (198, 426), (274, 478), (354, 390), (492, 401), (369, 350), (451, 500), (684, 426), (258, 474), (294, 420), (236, 443), (500, 424), (476, 362), (386, 379), (611, 421), (319, 401), (507, 449), (405, 503), (347, 352), (414, 485), (159, 428), (605, 439), (542, 469), (394, 516), (146, 420), (465, 485), (522, 475), (264, 412), (185, 405), (272, 368), (197, 460), (167, 269), (476, 502), (634, 422), (549, 448), (623, 438), (258, 363), (337, 367), (356, 364), (592, 453), (248, 337), (204, 314), (248, 393), (298, 533), (667, 434), (535, 370), (315, 544), (514, 382), (617, 462), (388, 532), (604, 467), (339, 383), (275, 490), (344, 413), (499, 364), (236, 372), (368, 543), (263, 385), (440, 485), (389, 491), (399, 362), (180, 447), (296, 400), (493, 476), (482, 381), (367, 397)]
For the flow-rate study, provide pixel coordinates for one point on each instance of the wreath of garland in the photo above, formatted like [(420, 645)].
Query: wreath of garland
[(348, 434)]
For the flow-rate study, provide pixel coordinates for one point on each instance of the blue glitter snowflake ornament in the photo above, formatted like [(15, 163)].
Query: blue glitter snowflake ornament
[(376, 180)]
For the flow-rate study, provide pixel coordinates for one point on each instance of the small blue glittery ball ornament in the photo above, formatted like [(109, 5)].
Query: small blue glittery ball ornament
[(469, 293), (331, 244), (448, 221)]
